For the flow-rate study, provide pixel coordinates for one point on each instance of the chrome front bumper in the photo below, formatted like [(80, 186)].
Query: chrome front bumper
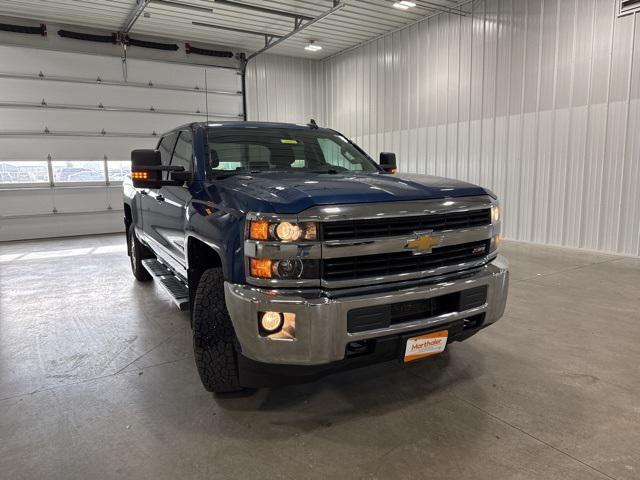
[(321, 323)]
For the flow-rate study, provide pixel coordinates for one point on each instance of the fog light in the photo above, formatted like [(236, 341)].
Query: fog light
[(271, 322), (277, 325)]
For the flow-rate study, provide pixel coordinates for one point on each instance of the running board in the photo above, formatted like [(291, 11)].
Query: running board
[(177, 290)]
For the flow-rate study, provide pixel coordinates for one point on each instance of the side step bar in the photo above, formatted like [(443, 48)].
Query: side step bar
[(176, 289)]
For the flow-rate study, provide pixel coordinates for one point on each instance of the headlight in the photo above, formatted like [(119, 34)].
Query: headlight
[(282, 231), (286, 269), (282, 250), (495, 214)]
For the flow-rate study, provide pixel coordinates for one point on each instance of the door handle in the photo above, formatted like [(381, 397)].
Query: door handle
[(159, 198)]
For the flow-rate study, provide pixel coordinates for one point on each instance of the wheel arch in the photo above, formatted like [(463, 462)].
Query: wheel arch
[(201, 256)]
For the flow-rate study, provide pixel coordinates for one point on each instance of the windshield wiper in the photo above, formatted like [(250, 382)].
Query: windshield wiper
[(331, 171)]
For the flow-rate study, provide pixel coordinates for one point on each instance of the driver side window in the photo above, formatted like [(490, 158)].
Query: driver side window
[(183, 153), (166, 150)]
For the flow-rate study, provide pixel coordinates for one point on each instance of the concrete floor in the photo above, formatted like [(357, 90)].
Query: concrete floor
[(97, 380)]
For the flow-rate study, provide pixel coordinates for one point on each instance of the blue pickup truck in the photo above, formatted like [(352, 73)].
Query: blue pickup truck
[(298, 255)]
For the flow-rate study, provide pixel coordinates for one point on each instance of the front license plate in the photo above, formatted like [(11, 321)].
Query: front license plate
[(425, 345)]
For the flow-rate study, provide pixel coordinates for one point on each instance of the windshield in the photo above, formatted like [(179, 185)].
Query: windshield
[(276, 149)]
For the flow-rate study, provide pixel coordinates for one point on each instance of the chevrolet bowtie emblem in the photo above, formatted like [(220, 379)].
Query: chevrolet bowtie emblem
[(423, 243)]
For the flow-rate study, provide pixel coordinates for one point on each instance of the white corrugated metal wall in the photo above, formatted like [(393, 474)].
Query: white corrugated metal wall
[(538, 100), (284, 89)]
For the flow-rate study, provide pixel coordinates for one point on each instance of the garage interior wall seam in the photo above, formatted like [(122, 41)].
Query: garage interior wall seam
[(538, 100)]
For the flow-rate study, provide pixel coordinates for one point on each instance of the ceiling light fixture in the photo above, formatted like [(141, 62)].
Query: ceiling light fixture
[(186, 6), (312, 46), (404, 4)]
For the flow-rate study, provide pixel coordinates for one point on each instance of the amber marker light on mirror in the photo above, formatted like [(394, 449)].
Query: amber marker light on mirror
[(140, 175), (259, 230), (261, 267)]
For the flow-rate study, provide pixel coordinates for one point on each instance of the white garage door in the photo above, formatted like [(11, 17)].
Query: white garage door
[(69, 121)]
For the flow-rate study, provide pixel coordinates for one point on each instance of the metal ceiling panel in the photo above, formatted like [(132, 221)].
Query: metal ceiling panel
[(357, 22)]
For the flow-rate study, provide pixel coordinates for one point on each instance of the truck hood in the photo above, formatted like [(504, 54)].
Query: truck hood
[(297, 191)]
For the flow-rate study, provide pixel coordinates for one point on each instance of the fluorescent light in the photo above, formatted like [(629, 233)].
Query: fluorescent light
[(312, 46), (404, 4)]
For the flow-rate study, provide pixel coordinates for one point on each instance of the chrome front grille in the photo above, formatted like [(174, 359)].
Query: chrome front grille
[(388, 264), (389, 227), (376, 243)]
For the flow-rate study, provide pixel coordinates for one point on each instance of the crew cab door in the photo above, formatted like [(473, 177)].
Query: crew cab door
[(171, 204)]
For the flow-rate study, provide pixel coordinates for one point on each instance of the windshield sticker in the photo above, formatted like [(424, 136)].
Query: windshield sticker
[(288, 141)]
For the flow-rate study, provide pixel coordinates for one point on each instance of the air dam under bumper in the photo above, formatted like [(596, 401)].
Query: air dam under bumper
[(321, 323)]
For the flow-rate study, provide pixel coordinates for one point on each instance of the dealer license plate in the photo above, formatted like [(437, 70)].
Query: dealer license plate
[(425, 345)]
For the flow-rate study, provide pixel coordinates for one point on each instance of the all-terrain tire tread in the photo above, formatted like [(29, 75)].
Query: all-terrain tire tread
[(213, 335)]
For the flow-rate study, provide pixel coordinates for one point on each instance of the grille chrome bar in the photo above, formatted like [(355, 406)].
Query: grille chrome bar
[(389, 227), (365, 246), (412, 275), (358, 267), (364, 211), (372, 246)]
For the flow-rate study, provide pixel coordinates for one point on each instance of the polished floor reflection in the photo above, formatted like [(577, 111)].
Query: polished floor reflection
[(97, 380)]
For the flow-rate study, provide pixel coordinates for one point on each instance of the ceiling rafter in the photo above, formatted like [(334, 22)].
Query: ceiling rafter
[(357, 22)]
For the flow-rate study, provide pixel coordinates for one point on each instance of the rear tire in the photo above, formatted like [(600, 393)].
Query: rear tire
[(214, 339), (137, 253)]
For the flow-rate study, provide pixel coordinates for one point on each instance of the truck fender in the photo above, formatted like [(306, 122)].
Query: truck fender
[(201, 255)]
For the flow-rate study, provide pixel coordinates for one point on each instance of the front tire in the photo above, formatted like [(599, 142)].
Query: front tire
[(137, 253), (213, 336)]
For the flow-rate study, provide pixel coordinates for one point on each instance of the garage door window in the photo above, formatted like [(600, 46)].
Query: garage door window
[(118, 170), (15, 172), (78, 171)]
